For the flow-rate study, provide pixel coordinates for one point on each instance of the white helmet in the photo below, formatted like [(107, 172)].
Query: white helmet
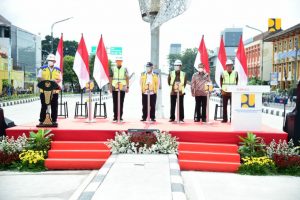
[(229, 62), (51, 57), (119, 58), (177, 62)]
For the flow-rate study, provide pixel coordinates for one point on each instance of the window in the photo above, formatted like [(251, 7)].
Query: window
[(291, 44), (275, 47), (284, 45), (280, 49)]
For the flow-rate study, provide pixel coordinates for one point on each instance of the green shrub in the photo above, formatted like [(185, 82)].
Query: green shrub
[(40, 141), (251, 146)]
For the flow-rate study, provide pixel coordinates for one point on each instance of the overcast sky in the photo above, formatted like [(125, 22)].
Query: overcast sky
[(121, 24)]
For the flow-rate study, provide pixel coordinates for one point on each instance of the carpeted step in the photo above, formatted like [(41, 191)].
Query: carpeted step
[(209, 166), (209, 156), (102, 154), (207, 147), (78, 145), (54, 163)]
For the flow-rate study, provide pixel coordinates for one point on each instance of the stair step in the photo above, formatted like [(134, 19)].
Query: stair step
[(209, 156), (209, 166), (103, 154), (78, 145), (207, 147), (53, 163)]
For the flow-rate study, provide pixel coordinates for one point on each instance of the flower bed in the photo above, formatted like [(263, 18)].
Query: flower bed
[(25, 154), (276, 158), (145, 143)]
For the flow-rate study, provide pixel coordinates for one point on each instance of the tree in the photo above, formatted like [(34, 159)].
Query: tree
[(187, 58), (69, 75), (70, 47)]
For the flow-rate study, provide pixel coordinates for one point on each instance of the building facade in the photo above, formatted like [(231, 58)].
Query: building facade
[(175, 49), (23, 51), (254, 54), (286, 56)]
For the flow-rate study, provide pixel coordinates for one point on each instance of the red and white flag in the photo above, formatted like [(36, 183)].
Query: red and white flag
[(241, 64), (202, 56), (59, 57), (221, 62), (101, 72), (81, 64)]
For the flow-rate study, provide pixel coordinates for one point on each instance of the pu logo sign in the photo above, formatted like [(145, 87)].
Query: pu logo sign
[(248, 100), (274, 24)]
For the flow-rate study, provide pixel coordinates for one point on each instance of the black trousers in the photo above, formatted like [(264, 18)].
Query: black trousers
[(54, 107), (115, 101), (225, 104), (201, 102), (173, 105), (152, 105)]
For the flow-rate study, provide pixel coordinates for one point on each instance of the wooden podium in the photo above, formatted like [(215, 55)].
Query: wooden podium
[(247, 107)]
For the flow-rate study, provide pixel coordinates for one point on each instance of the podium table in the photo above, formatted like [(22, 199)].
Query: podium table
[(247, 107)]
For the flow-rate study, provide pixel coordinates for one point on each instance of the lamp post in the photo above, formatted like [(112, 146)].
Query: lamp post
[(157, 12), (262, 52), (51, 50)]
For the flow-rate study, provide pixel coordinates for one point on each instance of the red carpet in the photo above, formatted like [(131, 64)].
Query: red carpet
[(77, 155), (208, 157), (204, 147), (103, 129)]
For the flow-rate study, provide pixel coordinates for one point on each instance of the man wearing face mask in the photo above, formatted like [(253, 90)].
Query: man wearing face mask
[(118, 80), (49, 72), (149, 83), (229, 77), (177, 81), (199, 80)]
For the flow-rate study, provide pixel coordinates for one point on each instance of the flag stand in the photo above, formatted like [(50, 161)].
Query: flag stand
[(63, 111), (81, 105), (221, 109), (104, 115), (90, 110)]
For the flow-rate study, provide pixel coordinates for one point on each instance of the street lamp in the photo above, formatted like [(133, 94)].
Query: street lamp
[(157, 12), (52, 31), (262, 52)]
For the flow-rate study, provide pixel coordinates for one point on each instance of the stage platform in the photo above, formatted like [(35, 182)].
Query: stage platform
[(103, 129)]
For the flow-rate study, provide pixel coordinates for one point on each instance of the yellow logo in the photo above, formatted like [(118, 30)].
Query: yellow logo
[(248, 100), (274, 24)]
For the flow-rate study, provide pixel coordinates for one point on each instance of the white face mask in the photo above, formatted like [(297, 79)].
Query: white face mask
[(148, 69), (177, 68), (50, 63), (201, 69)]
